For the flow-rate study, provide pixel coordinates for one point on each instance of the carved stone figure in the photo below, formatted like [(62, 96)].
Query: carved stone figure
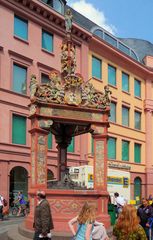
[(68, 20), (64, 58), (107, 95), (33, 87)]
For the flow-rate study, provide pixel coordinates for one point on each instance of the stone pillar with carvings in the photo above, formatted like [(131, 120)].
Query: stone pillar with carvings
[(100, 162), (100, 170), (38, 180)]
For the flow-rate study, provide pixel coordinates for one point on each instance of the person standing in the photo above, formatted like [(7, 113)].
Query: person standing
[(43, 222), (127, 226), (1, 207), (85, 221), (145, 212), (119, 203)]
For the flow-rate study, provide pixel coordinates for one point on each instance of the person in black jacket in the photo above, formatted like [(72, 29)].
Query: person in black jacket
[(43, 222), (145, 211)]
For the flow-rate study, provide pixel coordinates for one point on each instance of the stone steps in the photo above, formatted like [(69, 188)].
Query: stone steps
[(19, 232)]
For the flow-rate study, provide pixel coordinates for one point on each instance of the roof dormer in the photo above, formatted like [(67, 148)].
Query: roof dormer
[(57, 5)]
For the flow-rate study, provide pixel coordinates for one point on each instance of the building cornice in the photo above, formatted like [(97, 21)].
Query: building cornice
[(119, 58), (15, 54), (148, 105), (44, 15)]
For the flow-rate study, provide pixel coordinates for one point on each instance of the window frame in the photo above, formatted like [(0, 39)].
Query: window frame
[(52, 47), (17, 36), (126, 141), (137, 112), (115, 141), (23, 61), (136, 81), (115, 104), (21, 66), (125, 107), (100, 61), (42, 73), (26, 128), (140, 160), (110, 83), (124, 90)]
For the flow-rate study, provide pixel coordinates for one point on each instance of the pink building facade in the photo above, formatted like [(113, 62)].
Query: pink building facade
[(26, 55)]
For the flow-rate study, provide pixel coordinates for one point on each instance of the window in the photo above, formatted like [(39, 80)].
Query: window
[(137, 153), (137, 189), (125, 116), (123, 48), (125, 150), (137, 122), (18, 129), (125, 82), (20, 28), (133, 55), (113, 112), (137, 88), (19, 79), (110, 40), (111, 148), (44, 78), (112, 75), (71, 146), (56, 4), (99, 33), (47, 41), (96, 67), (50, 141)]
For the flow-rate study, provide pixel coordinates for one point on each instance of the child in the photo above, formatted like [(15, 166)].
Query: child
[(85, 221)]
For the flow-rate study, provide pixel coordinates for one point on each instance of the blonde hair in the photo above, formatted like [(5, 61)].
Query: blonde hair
[(128, 220), (87, 214)]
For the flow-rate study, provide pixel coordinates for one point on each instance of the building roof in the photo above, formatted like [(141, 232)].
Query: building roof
[(138, 48), (141, 47), (82, 20)]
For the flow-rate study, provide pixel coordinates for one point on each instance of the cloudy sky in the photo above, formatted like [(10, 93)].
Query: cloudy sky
[(123, 18)]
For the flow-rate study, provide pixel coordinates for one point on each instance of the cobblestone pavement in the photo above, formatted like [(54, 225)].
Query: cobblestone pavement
[(8, 224), (12, 223)]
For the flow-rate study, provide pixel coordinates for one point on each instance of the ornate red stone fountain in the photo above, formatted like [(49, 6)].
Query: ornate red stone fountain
[(68, 106)]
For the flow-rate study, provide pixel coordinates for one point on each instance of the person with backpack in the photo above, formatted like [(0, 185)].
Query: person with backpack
[(1, 207)]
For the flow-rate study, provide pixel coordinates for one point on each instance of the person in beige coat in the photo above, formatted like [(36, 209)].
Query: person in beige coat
[(43, 222)]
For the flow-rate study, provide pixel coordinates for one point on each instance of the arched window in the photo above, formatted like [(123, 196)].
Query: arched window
[(137, 188), (98, 33), (18, 182)]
